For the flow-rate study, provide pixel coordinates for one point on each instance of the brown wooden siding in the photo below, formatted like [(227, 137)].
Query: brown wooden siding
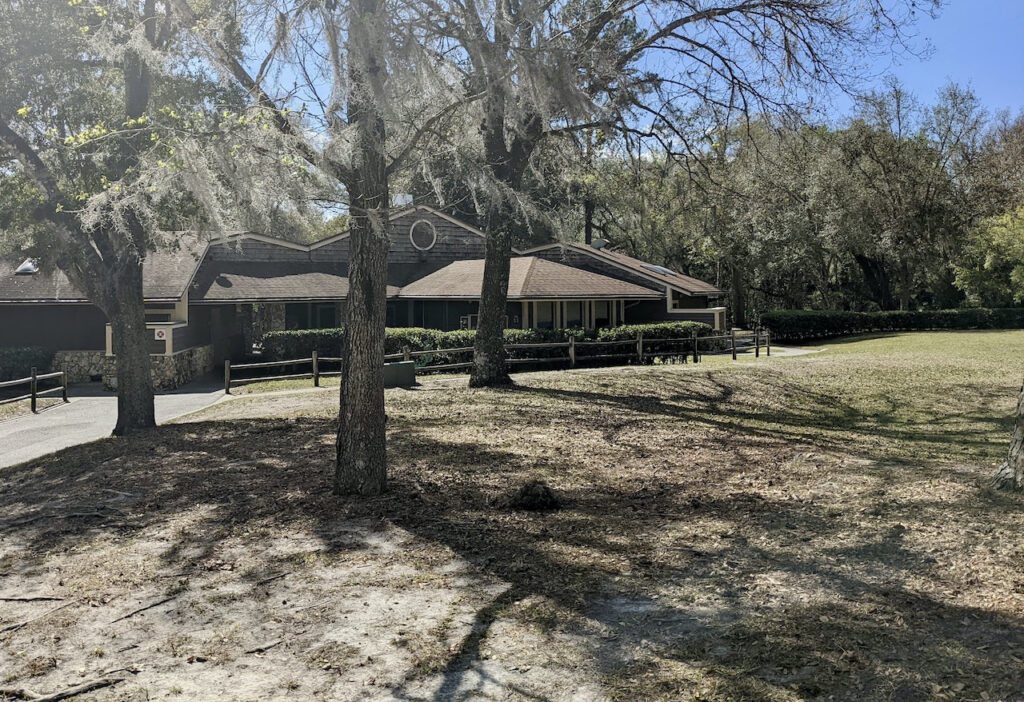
[(61, 327)]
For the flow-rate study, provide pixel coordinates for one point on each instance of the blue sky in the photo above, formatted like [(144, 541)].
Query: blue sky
[(975, 42)]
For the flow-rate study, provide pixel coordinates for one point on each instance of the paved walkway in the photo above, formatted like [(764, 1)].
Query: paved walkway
[(90, 415)]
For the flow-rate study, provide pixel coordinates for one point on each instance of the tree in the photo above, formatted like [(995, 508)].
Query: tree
[(82, 141), (991, 268), (641, 69), (350, 92), (1010, 475)]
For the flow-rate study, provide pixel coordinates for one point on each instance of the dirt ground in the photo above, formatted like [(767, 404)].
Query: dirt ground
[(807, 528)]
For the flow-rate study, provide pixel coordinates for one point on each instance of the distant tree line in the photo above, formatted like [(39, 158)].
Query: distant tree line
[(903, 206)]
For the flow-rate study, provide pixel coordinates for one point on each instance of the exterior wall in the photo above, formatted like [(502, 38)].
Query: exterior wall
[(251, 250), (81, 366), (441, 314), (54, 326), (453, 243), (657, 311), (169, 372), (197, 333)]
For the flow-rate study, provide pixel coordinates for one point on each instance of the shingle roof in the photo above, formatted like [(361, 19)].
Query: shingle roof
[(166, 275), (271, 281), (677, 280), (657, 274), (529, 278)]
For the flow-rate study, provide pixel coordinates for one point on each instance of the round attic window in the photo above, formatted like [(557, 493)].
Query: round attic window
[(423, 235)]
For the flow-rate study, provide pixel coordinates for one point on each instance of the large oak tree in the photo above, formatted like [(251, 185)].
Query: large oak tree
[(85, 89)]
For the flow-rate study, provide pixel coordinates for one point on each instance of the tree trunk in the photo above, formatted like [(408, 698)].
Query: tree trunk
[(878, 280), (588, 221), (739, 297), (489, 368), (361, 467), (1010, 475), (127, 316)]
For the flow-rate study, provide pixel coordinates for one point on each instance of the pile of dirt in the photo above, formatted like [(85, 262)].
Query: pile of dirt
[(534, 496)]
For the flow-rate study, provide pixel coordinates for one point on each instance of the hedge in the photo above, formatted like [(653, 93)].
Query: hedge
[(17, 362), (283, 345), (800, 325)]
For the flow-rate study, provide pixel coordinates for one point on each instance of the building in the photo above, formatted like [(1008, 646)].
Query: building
[(210, 299)]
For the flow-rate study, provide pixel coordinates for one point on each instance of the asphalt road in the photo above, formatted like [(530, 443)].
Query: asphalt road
[(90, 415)]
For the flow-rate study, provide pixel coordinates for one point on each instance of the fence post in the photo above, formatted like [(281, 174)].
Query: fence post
[(640, 347), (734, 343), (33, 389), (405, 354), (227, 376), (572, 351), (757, 342), (696, 356), (768, 342), (316, 370), (64, 385)]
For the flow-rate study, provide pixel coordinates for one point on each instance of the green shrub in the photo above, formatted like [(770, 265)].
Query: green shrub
[(800, 325), (659, 330), (17, 362), (283, 345)]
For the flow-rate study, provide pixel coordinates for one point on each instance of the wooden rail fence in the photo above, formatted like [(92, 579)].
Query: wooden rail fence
[(34, 392), (637, 348)]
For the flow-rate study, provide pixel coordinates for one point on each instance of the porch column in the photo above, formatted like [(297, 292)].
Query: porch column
[(524, 318)]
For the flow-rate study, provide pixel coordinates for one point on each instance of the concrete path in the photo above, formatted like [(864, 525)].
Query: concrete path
[(90, 415)]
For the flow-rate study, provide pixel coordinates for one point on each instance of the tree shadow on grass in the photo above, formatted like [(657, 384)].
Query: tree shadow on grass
[(844, 617), (824, 420)]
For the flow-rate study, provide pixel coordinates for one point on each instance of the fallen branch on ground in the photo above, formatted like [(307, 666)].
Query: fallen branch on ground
[(264, 647), (15, 627), (89, 686), (31, 599), (143, 609), (72, 515), (270, 579)]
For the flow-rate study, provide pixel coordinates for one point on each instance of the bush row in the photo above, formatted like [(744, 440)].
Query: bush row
[(283, 345), (17, 362), (798, 325)]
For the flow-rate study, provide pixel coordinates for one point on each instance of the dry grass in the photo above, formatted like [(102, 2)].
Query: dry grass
[(802, 528), (24, 407)]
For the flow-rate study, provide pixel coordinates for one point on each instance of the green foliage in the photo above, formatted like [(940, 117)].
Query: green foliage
[(661, 330), (284, 345), (18, 361), (991, 271), (797, 325)]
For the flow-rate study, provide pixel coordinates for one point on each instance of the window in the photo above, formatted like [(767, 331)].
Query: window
[(545, 315), (573, 314), (422, 235)]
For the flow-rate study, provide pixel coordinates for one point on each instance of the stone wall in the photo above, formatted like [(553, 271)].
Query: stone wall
[(169, 372), (82, 366)]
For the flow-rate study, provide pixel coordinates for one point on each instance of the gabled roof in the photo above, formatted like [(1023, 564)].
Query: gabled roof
[(529, 278), (270, 282), (166, 275), (658, 274)]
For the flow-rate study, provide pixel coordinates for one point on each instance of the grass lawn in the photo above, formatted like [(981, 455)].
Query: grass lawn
[(800, 528)]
